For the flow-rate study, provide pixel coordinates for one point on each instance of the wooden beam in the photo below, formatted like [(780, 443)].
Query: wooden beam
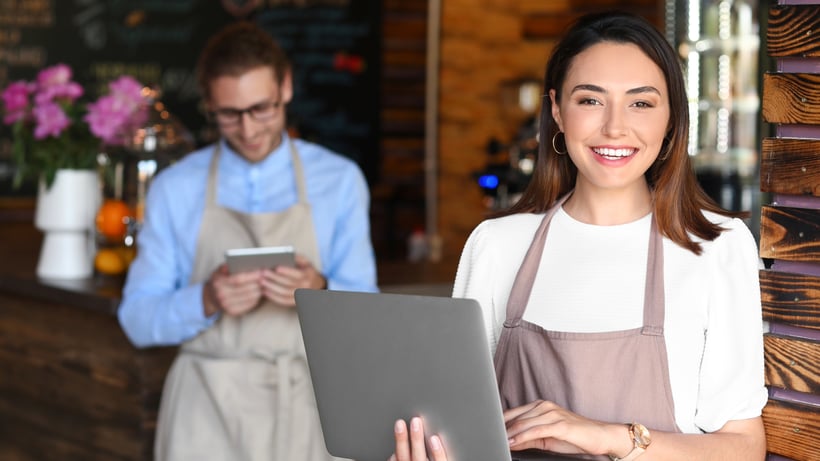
[(791, 98), (793, 31), (791, 234), (790, 166)]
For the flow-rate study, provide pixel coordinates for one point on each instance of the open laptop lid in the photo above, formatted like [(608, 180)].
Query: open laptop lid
[(376, 357)]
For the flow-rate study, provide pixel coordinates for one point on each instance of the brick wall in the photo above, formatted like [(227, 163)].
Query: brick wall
[(484, 44)]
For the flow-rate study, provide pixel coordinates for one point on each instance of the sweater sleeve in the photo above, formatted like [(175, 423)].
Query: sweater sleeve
[(731, 376), (474, 279)]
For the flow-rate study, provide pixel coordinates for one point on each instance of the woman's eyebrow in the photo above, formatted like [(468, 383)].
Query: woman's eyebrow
[(643, 89), (598, 89)]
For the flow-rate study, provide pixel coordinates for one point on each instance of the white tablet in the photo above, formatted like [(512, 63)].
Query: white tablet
[(247, 259)]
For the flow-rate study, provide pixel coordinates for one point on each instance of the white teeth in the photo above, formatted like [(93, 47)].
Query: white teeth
[(618, 153)]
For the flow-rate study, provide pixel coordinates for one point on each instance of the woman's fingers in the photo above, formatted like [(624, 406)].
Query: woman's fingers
[(411, 445)]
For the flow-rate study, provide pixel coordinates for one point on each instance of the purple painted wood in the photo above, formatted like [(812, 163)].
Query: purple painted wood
[(799, 65), (796, 267), (798, 131), (791, 331), (777, 458), (797, 201), (785, 395)]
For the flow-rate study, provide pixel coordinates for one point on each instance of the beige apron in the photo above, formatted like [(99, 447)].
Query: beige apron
[(618, 376), (241, 389)]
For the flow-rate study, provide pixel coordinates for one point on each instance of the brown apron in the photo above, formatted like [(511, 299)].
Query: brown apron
[(617, 376), (241, 389)]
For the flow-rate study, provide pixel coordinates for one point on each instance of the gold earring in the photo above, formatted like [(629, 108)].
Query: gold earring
[(559, 152)]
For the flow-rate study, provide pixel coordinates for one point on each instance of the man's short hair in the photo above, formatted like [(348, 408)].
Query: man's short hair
[(237, 48)]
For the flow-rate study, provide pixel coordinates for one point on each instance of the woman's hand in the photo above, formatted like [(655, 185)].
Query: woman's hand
[(412, 447), (544, 425)]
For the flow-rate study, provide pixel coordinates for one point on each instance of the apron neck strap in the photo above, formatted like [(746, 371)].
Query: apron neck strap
[(653, 309), (213, 169)]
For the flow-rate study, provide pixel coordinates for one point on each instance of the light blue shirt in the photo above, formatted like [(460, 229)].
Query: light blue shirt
[(160, 307)]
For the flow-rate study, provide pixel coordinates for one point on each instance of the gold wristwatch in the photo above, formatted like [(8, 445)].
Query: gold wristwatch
[(641, 438)]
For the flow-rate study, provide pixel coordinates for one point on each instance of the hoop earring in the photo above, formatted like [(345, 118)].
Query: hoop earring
[(559, 152), (667, 151)]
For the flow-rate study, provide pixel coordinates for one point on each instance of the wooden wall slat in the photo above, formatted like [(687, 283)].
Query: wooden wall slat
[(793, 31), (791, 234), (792, 430), (790, 166), (791, 299), (791, 98), (792, 364)]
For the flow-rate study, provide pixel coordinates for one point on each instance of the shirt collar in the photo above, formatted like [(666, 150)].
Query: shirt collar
[(280, 156)]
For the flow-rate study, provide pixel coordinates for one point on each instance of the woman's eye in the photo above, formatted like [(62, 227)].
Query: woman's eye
[(643, 104), (588, 101)]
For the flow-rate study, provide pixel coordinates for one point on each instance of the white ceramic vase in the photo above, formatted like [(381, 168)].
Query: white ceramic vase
[(65, 214)]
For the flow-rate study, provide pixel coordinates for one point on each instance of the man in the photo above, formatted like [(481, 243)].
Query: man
[(239, 388)]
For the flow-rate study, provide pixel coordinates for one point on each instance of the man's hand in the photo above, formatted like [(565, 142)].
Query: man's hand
[(279, 284), (232, 294)]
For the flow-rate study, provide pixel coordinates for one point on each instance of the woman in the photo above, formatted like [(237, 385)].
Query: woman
[(629, 322)]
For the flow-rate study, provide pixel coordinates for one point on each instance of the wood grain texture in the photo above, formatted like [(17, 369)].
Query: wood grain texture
[(792, 364), (790, 166), (793, 31), (791, 234), (792, 430), (72, 387), (791, 98), (791, 299)]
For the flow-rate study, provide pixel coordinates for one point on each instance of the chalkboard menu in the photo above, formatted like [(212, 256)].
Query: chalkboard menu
[(334, 46)]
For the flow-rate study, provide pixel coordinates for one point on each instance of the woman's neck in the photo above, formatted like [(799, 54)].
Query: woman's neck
[(609, 207)]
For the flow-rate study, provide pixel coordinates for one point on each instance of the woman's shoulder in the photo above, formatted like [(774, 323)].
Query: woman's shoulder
[(510, 225), (504, 233), (735, 236)]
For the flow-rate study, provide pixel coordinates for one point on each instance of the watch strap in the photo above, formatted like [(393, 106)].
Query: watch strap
[(632, 456)]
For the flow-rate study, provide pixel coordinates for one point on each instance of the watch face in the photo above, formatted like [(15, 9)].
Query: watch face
[(640, 435)]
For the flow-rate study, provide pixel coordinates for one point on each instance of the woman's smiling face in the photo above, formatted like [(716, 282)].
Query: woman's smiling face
[(614, 113)]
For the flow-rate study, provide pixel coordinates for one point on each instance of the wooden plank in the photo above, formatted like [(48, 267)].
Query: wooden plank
[(791, 98), (792, 299), (791, 234), (792, 430), (793, 31), (72, 386), (792, 364), (790, 166)]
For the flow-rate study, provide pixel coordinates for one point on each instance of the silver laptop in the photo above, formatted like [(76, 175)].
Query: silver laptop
[(377, 357)]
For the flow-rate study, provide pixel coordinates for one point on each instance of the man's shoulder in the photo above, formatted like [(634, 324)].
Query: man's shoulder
[(197, 160), (321, 156), (188, 168)]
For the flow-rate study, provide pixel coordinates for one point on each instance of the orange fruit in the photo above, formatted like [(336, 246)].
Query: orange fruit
[(109, 261), (112, 219), (127, 254)]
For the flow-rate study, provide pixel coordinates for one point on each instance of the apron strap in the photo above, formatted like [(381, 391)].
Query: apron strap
[(653, 303), (298, 173), (525, 278), (653, 298), (210, 192)]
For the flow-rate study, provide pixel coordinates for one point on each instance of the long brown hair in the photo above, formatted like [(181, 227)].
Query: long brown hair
[(679, 201)]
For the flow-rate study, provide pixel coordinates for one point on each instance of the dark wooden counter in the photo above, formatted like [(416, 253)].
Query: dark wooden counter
[(72, 387)]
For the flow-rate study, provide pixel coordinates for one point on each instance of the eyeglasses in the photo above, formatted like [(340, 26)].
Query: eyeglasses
[(260, 112)]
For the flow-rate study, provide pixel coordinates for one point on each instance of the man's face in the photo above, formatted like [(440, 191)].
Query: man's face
[(249, 110)]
